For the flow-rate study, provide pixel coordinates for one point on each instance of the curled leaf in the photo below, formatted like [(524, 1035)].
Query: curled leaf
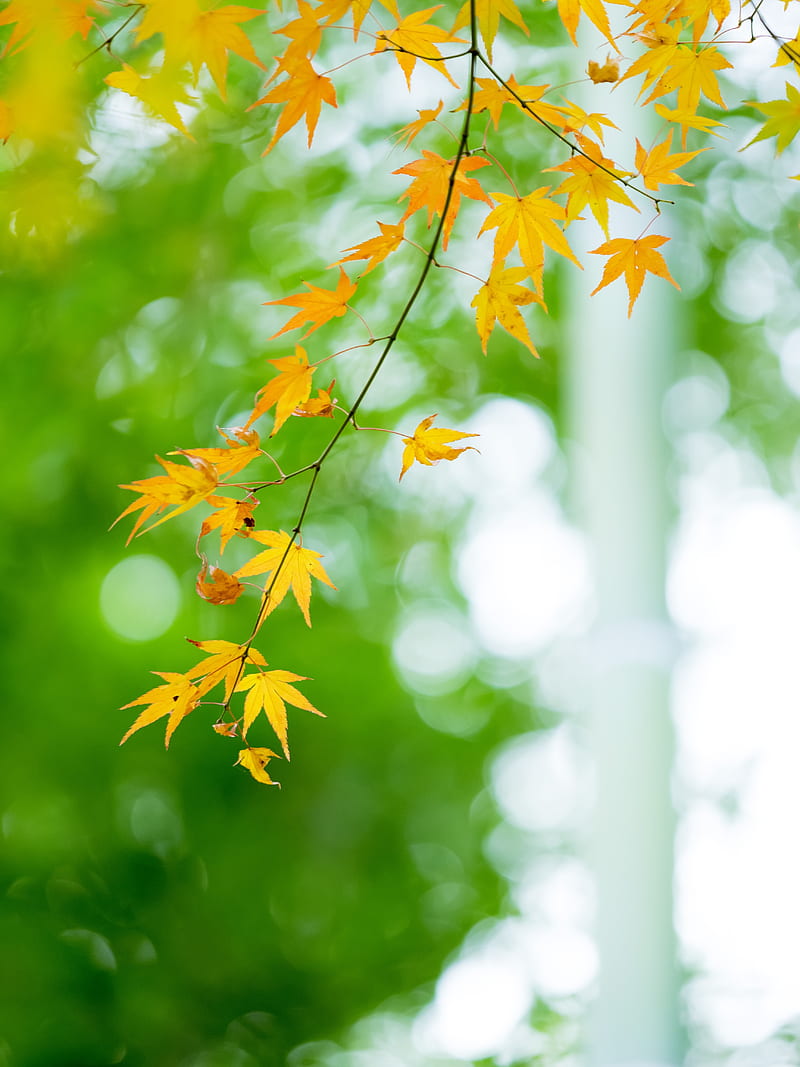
[(217, 586)]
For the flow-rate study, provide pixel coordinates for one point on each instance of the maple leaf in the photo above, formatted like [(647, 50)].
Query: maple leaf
[(527, 222), (304, 33), (431, 181), (270, 692), (426, 115), (336, 10), (215, 33), (498, 299), (159, 92), (292, 567), (224, 662), (180, 488), (692, 73), (415, 38), (635, 258), (429, 445), (593, 181), (255, 760), (488, 14), (687, 120), (491, 96), (175, 699), (320, 406), (173, 19), (227, 729), (656, 166), (303, 94), (577, 119), (65, 17), (569, 12), (291, 388), (662, 47), (229, 517), (243, 445), (317, 306), (375, 249), (783, 119), (217, 586)]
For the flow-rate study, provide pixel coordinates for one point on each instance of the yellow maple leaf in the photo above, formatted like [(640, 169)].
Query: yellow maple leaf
[(691, 71), (229, 516), (431, 181), (159, 92), (255, 760), (336, 10), (213, 34), (415, 38), (317, 306), (635, 258), (217, 586), (488, 14), (291, 388), (375, 249), (657, 166), (499, 299), (528, 222), (180, 488), (783, 119), (270, 692), (224, 662), (429, 445), (292, 567), (175, 699), (687, 120), (577, 119), (303, 94), (569, 12)]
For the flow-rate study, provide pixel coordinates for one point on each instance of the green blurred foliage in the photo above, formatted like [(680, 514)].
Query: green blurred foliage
[(162, 908)]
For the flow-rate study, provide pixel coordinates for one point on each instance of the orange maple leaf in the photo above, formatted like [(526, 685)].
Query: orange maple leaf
[(375, 249), (243, 446), (600, 73), (594, 181), (657, 166), (229, 517), (292, 567), (411, 130), (291, 388), (270, 691), (414, 38), (321, 406), (217, 586), (303, 94), (635, 258), (175, 699), (336, 10), (428, 446), (180, 488), (255, 760), (317, 306), (499, 299), (304, 33), (432, 176)]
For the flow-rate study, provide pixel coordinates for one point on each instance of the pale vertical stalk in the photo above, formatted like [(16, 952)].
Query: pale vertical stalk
[(617, 372)]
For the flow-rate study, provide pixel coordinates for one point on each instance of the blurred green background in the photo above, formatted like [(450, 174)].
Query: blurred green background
[(160, 908)]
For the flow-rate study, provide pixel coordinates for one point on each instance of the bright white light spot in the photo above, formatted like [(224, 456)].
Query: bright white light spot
[(140, 598), (434, 651), (479, 1001), (525, 573), (539, 781)]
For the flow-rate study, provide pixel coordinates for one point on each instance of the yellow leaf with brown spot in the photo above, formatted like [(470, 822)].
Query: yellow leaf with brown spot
[(217, 586), (175, 699), (255, 760)]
